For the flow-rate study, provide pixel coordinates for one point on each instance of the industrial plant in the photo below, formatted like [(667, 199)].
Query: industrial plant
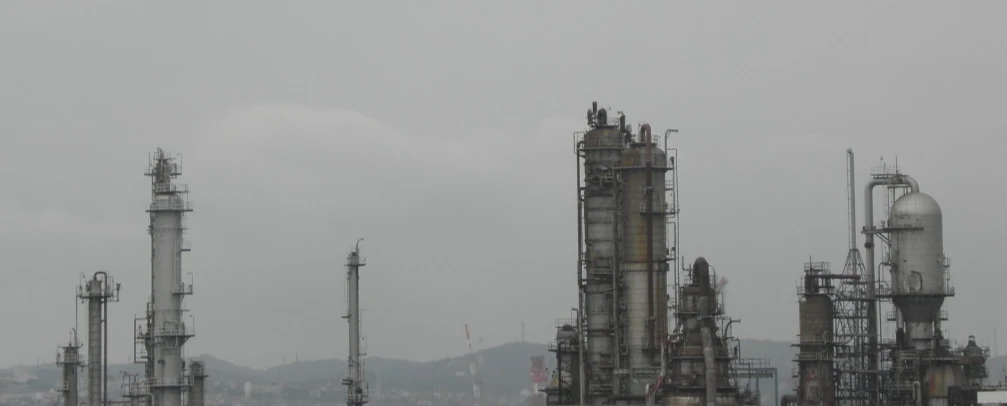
[(649, 328), (846, 356), (161, 334), (618, 348)]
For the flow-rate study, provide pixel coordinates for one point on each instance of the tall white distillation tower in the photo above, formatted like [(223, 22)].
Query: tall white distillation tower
[(356, 388), (167, 332)]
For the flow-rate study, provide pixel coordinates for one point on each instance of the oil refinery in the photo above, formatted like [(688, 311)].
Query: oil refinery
[(161, 334), (618, 348), (649, 328), (845, 355)]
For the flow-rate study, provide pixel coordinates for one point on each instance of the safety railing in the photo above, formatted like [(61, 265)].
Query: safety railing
[(183, 289), (176, 382), (655, 208), (884, 169), (813, 342), (180, 331), (72, 359), (170, 188), (174, 169), (171, 205), (136, 389)]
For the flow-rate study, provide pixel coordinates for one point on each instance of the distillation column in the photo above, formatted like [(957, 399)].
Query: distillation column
[(97, 292), (699, 367), (644, 265), (168, 332), (70, 361), (356, 390), (815, 357), (602, 227)]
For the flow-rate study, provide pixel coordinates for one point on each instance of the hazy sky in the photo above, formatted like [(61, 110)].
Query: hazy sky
[(441, 133)]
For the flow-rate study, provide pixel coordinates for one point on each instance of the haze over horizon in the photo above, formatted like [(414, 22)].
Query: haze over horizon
[(441, 133)]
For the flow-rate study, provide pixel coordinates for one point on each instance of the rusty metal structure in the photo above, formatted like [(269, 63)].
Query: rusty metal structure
[(702, 354), (846, 355), (618, 348), (816, 347)]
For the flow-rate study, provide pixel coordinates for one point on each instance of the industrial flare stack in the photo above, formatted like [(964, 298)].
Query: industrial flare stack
[(618, 349), (844, 358)]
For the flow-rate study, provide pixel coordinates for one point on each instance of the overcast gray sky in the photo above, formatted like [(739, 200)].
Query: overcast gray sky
[(440, 132)]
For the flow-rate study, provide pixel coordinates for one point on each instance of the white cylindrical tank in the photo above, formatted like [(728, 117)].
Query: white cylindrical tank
[(918, 266)]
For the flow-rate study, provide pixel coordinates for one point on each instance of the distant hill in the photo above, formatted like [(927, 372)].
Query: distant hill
[(505, 373)]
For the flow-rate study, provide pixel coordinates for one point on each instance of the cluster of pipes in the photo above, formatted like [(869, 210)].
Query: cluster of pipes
[(922, 368), (619, 349), (163, 331)]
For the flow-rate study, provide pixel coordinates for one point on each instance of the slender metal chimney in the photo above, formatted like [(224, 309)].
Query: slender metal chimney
[(356, 389)]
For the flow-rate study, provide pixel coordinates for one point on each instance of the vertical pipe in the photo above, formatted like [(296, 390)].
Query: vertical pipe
[(581, 383), (104, 322), (872, 304), (94, 341), (581, 338), (649, 196), (710, 368), (776, 386), (614, 318), (852, 201)]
